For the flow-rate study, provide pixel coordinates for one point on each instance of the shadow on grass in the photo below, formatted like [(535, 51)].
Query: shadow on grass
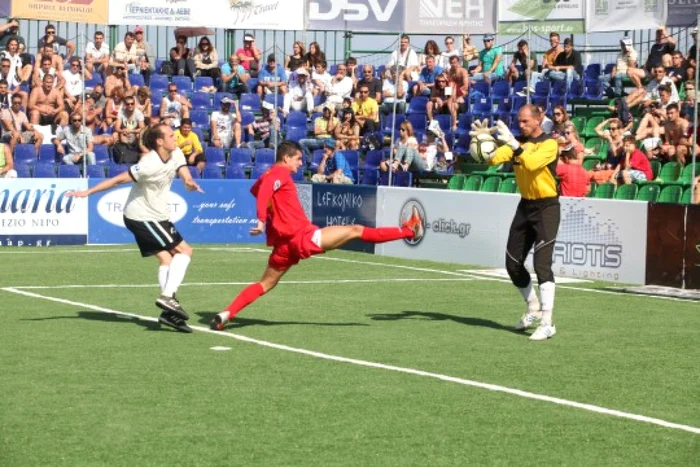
[(109, 318), (205, 318), (433, 316)]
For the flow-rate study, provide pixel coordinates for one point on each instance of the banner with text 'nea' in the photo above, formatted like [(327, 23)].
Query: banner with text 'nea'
[(450, 16)]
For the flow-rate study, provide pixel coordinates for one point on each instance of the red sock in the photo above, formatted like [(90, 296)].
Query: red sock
[(385, 234), (245, 298)]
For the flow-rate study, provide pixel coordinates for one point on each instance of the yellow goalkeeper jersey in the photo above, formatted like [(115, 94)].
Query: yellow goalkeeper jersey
[(535, 166)]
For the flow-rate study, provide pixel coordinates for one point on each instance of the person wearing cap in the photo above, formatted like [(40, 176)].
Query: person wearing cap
[(324, 128), (250, 55), (264, 132), (300, 96), (224, 125), (146, 59), (625, 65), (97, 53), (334, 167), (10, 30), (234, 78), (692, 55), (181, 57), (660, 51), (490, 67), (55, 41), (74, 83), (272, 76), (568, 65)]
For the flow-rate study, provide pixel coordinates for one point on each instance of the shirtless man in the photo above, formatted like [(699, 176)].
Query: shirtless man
[(675, 131), (46, 104), (56, 60), (119, 79), (459, 78), (44, 68)]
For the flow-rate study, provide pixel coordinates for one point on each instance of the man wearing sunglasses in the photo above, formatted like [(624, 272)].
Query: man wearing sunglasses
[(78, 142), (74, 83), (16, 127), (145, 57), (651, 93), (55, 41), (8, 31), (490, 67)]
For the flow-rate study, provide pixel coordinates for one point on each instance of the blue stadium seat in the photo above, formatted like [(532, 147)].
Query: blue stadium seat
[(295, 134), (202, 82), (518, 102), (270, 98), (201, 100), (23, 171), (264, 156), (479, 89), (183, 83), (252, 84), (258, 170), (240, 157), (101, 154), (115, 169), (68, 171), (445, 122), (464, 123), (316, 158), (575, 90), (418, 122), (592, 90), (235, 172), (373, 158), (25, 154), (500, 90), (136, 79), (402, 179), (44, 171), (247, 118), (250, 102), (298, 176), (96, 171), (503, 108), (155, 109), (200, 118), (215, 156), (389, 121), (370, 177), (199, 131), (212, 172), (295, 119), (592, 72), (94, 81), (542, 88), (47, 154), (418, 105), (220, 95), (353, 158), (158, 83), (482, 107), (194, 172)]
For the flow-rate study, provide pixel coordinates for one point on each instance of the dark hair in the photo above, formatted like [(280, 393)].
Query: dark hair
[(287, 148), (47, 75), (568, 41), (186, 121), (553, 34), (405, 36), (630, 139), (5, 59), (99, 33), (2, 81), (664, 88), (129, 34), (672, 106), (568, 153), (521, 43), (350, 60), (49, 26), (151, 136)]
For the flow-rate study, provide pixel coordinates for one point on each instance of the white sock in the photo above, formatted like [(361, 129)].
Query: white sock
[(530, 296), (547, 294), (163, 276), (178, 268)]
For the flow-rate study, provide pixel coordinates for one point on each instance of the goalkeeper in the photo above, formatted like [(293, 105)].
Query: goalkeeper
[(536, 219)]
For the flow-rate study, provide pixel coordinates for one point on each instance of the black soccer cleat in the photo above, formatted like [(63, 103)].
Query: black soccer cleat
[(217, 324), (171, 304), (174, 321)]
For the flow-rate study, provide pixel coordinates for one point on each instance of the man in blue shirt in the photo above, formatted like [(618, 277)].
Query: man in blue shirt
[(234, 76), (334, 167), (271, 77), (426, 79), (490, 67)]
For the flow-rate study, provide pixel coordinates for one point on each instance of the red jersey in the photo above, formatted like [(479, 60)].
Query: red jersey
[(639, 161), (573, 180), (278, 205)]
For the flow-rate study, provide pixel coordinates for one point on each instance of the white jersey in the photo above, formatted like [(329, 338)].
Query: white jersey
[(148, 198), (74, 83), (223, 122)]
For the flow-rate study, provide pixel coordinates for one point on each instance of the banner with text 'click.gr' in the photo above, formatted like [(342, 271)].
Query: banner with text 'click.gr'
[(622, 15), (228, 14)]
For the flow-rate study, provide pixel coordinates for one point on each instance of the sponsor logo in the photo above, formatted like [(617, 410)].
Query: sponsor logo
[(353, 10), (452, 10), (413, 209), (247, 9), (37, 200), (111, 206)]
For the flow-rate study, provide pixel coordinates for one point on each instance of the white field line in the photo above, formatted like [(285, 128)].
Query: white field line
[(71, 251), (381, 366), (206, 284)]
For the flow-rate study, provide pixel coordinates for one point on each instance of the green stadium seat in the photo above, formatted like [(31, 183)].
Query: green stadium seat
[(491, 170), (655, 167), (508, 185), (648, 193), (579, 123), (686, 197), (686, 177), (589, 163), (628, 192), (591, 123), (594, 188), (456, 182), (605, 191), (670, 172), (473, 183), (670, 194), (491, 184), (599, 147)]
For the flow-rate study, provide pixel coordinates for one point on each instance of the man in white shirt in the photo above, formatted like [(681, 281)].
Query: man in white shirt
[(320, 78), (405, 59), (225, 127), (125, 52), (341, 86), (646, 95), (450, 51), (74, 83), (300, 95), (394, 91), (147, 216), (97, 53)]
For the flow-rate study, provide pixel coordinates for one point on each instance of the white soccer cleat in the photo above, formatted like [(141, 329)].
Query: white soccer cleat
[(543, 332), (529, 319)]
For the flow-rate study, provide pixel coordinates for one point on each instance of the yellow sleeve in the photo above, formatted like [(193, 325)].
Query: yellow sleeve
[(503, 154), (537, 156), (355, 107), (195, 142)]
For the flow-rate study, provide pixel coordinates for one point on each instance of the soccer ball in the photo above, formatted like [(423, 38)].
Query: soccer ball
[(482, 148)]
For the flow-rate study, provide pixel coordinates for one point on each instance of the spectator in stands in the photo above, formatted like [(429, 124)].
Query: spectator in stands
[(127, 129), (340, 88), (559, 119), (458, 78), (297, 59), (75, 85), (181, 57), (426, 80), (374, 84), (124, 53), (550, 57), (55, 41), (366, 111), (490, 67), (188, 141), (431, 49), (16, 127), (334, 167), (145, 57), (206, 60), (527, 59), (10, 31), (93, 120), (405, 59), (4, 95), (442, 100), (149, 122), (97, 54), (78, 141), (56, 59), (569, 138), (351, 64), (573, 179), (614, 137), (225, 126), (636, 166), (174, 107), (568, 65), (394, 91), (347, 133), (676, 145), (44, 68), (113, 107), (271, 77), (433, 149), (469, 51), (7, 163), (234, 77), (660, 52), (265, 130), (6, 77), (324, 128), (321, 79), (625, 66), (143, 101), (314, 56), (12, 69), (118, 79), (651, 93), (46, 104), (449, 52), (692, 55), (688, 104), (649, 132), (546, 123), (678, 71), (405, 155), (250, 56), (300, 96), (664, 98)]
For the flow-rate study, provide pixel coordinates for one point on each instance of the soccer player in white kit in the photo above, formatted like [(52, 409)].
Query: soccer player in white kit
[(147, 216)]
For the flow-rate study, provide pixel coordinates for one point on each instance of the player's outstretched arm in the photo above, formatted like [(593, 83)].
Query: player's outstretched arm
[(258, 229), (110, 183), (186, 177)]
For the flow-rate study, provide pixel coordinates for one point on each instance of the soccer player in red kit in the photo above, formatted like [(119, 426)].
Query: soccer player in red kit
[(291, 234)]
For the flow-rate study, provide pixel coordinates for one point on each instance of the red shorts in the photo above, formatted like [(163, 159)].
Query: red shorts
[(304, 244)]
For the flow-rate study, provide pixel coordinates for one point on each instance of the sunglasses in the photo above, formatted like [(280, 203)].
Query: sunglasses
[(614, 128), (171, 91), (558, 113), (50, 33), (77, 120), (449, 42), (402, 129), (567, 133), (441, 81), (17, 103), (364, 92)]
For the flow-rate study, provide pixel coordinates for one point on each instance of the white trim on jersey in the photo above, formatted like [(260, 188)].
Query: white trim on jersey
[(153, 232)]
